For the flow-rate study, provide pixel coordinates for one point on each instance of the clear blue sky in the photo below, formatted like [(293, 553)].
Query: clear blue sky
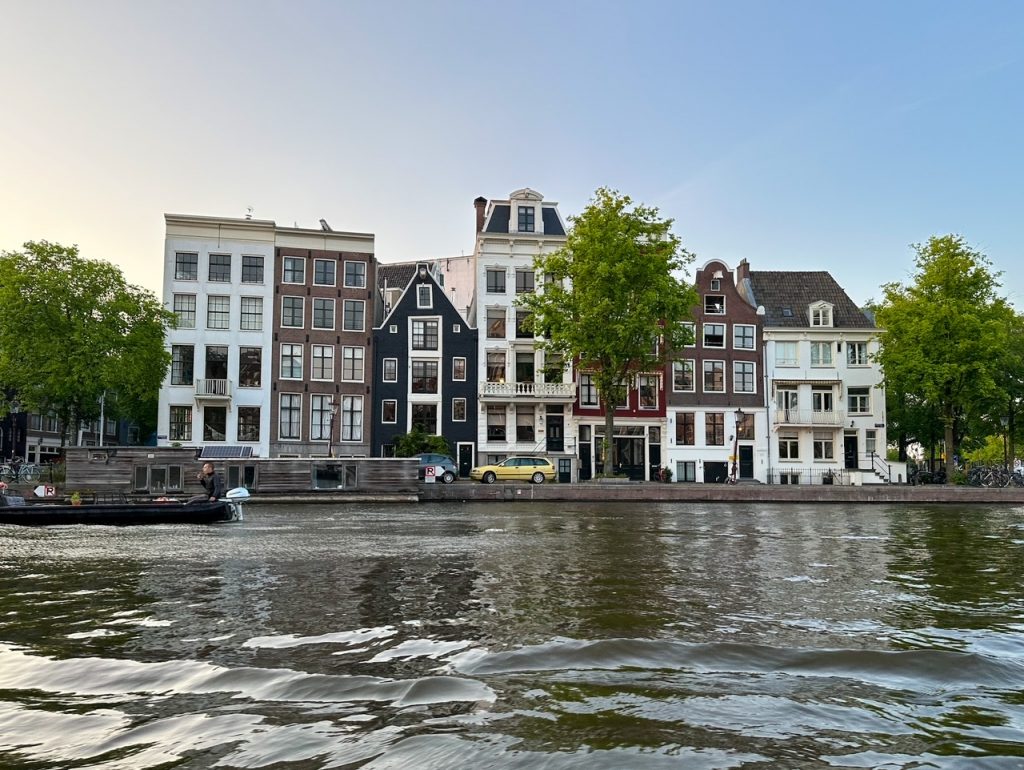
[(799, 135)]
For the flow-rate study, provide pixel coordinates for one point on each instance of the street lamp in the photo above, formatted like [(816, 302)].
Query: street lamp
[(333, 407), (736, 445)]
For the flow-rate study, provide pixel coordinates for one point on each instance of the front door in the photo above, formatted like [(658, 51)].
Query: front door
[(746, 462), (585, 471), (555, 433), (850, 451), (465, 460), (715, 472)]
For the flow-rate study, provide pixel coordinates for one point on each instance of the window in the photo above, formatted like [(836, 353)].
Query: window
[(714, 376), (456, 328), (554, 367), (743, 336), (525, 366), (185, 310), (821, 315), (458, 410), (354, 313), (786, 354), (495, 281), (496, 323), (524, 281), (870, 440), (787, 399), (390, 370), (322, 358), (325, 272), (290, 417), (217, 362), (389, 411), (823, 445), (716, 284), (496, 366), (647, 386), (250, 367), (248, 423), (821, 399), (180, 428), (459, 369), (352, 364), (858, 400), (355, 275), (293, 270), (220, 267), (252, 269), (686, 470), (186, 266), (424, 418), (424, 334), (714, 335), (320, 417), (291, 362), (714, 304), (526, 219), (789, 446), (682, 376), (495, 422), (424, 376), (743, 377), (524, 324), (821, 354), (252, 314), (588, 390), (714, 429), (745, 427), (524, 423), (292, 310), (424, 296), (323, 313), (691, 333), (857, 353), (215, 423), (218, 312), (182, 364), (686, 423)]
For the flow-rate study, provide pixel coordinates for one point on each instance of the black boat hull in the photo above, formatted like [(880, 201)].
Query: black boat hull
[(120, 514)]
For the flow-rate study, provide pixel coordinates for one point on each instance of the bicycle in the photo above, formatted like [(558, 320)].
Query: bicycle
[(19, 471)]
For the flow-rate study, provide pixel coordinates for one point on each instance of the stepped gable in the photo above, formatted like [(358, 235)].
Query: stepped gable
[(786, 295)]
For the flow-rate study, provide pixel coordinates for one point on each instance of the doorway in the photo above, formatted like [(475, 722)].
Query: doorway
[(465, 460), (746, 454), (850, 450)]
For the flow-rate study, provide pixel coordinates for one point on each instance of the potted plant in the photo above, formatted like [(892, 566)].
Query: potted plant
[(76, 498)]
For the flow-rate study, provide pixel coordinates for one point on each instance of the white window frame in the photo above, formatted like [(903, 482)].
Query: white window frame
[(704, 375), (344, 316), (455, 410), (704, 336), (384, 414), (351, 408), (819, 348), (359, 277), (455, 369), (857, 354), (861, 399), (320, 405), (185, 312), (357, 355), (652, 380), (284, 270), (291, 356), (222, 309), (246, 315), (821, 315), (302, 311), (587, 388), (324, 302), (680, 366), (387, 363), (424, 296), (736, 338), (693, 332), (737, 377), (783, 348), (318, 260), (823, 401), (326, 354), (280, 413), (823, 446)]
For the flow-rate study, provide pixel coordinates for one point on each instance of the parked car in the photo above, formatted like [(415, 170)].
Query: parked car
[(533, 469), (449, 470)]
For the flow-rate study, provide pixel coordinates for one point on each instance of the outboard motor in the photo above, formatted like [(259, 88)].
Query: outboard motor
[(236, 497)]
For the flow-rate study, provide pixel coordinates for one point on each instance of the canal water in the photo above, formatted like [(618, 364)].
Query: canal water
[(520, 636)]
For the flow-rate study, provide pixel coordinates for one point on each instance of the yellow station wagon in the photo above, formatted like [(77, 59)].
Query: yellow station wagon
[(533, 469)]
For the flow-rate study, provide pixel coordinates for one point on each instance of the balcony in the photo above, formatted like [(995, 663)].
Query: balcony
[(541, 391), (810, 417), (213, 390)]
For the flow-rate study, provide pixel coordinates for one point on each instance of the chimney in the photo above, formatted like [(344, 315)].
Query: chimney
[(480, 204), (742, 271)]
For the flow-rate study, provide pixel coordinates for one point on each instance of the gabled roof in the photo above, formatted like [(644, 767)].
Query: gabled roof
[(786, 295), (395, 276)]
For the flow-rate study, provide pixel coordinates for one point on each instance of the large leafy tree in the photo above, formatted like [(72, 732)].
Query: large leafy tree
[(945, 333), (73, 332), (612, 300)]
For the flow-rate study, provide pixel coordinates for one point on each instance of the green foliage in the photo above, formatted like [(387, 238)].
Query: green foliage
[(989, 453), (611, 301), (72, 330), (417, 442)]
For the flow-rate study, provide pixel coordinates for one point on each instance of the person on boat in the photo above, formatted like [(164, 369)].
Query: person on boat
[(212, 483)]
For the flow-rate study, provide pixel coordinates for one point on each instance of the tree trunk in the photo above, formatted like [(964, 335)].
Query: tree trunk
[(950, 447), (609, 439)]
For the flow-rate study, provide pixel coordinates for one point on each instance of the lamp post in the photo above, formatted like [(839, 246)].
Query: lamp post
[(330, 431), (13, 410), (736, 446)]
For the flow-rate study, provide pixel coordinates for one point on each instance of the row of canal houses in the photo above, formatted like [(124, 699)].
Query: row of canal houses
[(296, 342)]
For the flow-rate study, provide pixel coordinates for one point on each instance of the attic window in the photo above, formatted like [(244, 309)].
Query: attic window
[(716, 284), (526, 219), (424, 296), (787, 312), (714, 304), (821, 315)]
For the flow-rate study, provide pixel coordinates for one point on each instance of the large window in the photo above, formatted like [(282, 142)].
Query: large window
[(290, 417), (786, 354), (250, 367), (745, 427), (714, 335), (823, 445), (292, 310), (496, 366), (293, 270), (525, 366), (291, 362), (588, 391), (822, 399), (743, 336), (424, 334), (323, 313), (424, 418), (215, 423), (324, 271), (524, 324), (322, 362), (424, 376), (248, 423), (496, 323), (252, 314), (857, 353), (495, 281), (858, 400), (389, 410), (355, 275), (526, 219), (182, 364), (180, 428), (524, 281), (495, 422), (218, 312), (458, 410), (186, 266), (352, 364), (252, 269), (682, 376), (743, 376), (389, 367), (789, 446), (686, 423), (714, 304), (459, 369), (821, 354), (185, 310), (354, 313), (320, 417), (714, 376), (647, 387), (220, 267), (714, 429), (525, 416)]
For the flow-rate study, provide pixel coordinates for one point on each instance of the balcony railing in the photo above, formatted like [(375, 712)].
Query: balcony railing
[(213, 390), (565, 391), (809, 417)]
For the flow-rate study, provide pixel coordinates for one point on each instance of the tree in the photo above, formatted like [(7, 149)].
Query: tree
[(417, 442), (945, 334), (611, 301), (73, 332)]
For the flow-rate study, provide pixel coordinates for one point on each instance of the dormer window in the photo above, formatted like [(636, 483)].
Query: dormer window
[(424, 296), (714, 304), (821, 315), (526, 219)]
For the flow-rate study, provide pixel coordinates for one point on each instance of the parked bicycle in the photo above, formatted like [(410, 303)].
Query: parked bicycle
[(994, 476), (16, 470)]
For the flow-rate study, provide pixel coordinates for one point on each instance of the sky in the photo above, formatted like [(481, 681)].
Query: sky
[(819, 135)]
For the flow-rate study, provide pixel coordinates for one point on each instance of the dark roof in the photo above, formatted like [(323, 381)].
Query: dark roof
[(498, 222), (552, 224), (397, 275), (786, 295)]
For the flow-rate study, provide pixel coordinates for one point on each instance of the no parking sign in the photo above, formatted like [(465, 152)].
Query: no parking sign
[(44, 490), (430, 474)]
